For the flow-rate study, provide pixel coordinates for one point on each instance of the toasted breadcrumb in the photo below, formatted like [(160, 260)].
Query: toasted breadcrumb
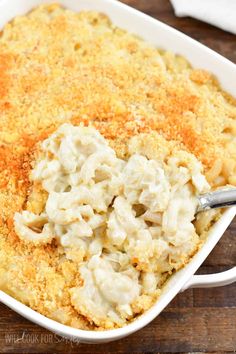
[(58, 66)]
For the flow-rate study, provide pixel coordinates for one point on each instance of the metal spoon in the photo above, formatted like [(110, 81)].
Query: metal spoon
[(219, 199)]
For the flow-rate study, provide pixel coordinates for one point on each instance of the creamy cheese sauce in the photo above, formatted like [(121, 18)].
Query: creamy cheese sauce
[(126, 222)]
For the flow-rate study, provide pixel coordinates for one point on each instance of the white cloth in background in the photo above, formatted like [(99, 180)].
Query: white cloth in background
[(220, 13)]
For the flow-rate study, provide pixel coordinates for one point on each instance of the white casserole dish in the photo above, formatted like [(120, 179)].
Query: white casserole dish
[(164, 37)]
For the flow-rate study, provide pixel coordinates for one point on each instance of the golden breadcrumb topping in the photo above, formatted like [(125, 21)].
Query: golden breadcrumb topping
[(58, 66)]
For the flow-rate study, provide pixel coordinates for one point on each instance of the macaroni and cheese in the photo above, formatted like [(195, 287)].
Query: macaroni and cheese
[(105, 141), (125, 222)]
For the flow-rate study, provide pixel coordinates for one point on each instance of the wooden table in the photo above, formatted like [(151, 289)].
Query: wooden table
[(196, 321)]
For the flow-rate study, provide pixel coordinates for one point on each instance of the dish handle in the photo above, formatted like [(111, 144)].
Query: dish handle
[(211, 280)]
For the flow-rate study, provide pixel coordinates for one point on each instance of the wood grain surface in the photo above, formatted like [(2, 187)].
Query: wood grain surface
[(197, 320)]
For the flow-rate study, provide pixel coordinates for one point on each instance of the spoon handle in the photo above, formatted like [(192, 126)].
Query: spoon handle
[(218, 199)]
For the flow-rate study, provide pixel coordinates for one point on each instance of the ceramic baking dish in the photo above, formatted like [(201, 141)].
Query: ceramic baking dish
[(167, 38)]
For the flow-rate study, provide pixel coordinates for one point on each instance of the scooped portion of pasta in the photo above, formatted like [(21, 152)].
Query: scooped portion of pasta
[(126, 223)]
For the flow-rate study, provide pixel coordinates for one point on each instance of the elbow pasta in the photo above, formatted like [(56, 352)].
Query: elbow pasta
[(130, 219)]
